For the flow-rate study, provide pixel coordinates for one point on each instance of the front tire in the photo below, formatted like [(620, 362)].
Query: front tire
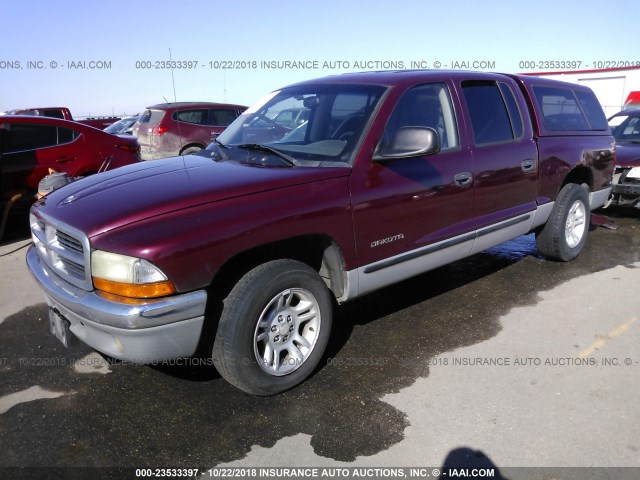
[(565, 233), (274, 328), (191, 150)]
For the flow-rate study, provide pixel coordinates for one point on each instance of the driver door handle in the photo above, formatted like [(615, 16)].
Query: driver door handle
[(463, 179), (527, 165)]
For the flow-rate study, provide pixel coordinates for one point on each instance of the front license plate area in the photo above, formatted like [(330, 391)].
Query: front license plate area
[(59, 326)]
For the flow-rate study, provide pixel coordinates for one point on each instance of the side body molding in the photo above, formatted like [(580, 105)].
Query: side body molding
[(371, 277)]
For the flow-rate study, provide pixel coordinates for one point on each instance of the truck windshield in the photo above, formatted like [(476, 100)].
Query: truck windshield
[(315, 125), (625, 128)]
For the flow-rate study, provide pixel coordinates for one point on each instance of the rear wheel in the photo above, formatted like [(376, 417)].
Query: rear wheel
[(274, 328), (565, 233)]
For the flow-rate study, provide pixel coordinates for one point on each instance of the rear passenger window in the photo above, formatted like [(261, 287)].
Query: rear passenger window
[(221, 117), (489, 116), (560, 109), (23, 137), (591, 107), (426, 105), (198, 117), (66, 135)]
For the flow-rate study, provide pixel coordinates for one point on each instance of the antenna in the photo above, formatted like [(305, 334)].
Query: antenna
[(175, 99), (172, 78)]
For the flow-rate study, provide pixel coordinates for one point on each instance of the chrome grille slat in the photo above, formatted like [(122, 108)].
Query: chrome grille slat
[(69, 242), (73, 266), (59, 248), (64, 249)]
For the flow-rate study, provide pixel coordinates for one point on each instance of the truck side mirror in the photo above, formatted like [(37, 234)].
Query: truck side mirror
[(311, 102), (409, 142)]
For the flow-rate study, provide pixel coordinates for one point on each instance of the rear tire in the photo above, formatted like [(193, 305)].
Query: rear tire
[(565, 233), (274, 328)]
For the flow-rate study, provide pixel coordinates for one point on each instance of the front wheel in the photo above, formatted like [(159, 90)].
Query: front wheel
[(565, 233), (274, 328), (190, 150)]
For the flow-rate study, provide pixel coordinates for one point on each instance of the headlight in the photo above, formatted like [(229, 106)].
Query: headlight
[(128, 276)]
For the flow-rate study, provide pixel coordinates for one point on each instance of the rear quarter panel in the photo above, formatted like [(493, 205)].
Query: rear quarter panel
[(559, 155), (98, 148)]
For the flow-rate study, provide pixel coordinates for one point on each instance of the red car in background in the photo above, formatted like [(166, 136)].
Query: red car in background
[(181, 128), (30, 146)]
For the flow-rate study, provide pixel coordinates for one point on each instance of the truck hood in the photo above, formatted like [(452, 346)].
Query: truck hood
[(110, 200), (628, 154)]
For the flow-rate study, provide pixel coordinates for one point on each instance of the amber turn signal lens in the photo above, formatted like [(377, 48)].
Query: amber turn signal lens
[(145, 290), (118, 299)]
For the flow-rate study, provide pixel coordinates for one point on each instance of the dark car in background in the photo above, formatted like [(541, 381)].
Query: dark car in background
[(123, 127), (625, 127), (181, 128), (292, 117)]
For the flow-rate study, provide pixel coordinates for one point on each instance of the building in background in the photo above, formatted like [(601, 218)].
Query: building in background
[(616, 88)]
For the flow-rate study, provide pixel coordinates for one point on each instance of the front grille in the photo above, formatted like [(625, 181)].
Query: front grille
[(73, 267), (63, 249), (69, 242)]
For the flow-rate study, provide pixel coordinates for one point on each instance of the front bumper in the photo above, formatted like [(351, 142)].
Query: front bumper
[(157, 330)]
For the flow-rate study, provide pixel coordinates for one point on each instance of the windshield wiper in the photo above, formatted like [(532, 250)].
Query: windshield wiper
[(266, 148), (219, 143)]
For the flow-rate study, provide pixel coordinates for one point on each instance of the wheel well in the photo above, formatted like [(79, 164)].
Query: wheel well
[(580, 175), (189, 146), (318, 251)]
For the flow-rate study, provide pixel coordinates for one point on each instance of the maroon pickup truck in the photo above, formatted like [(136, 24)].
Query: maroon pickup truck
[(242, 251)]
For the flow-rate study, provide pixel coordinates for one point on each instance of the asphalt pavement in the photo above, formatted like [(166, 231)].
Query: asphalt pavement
[(504, 357)]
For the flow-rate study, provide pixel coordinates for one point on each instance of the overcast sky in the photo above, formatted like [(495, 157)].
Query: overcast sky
[(48, 46)]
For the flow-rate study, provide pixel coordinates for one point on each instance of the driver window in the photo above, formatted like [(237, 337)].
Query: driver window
[(425, 106)]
